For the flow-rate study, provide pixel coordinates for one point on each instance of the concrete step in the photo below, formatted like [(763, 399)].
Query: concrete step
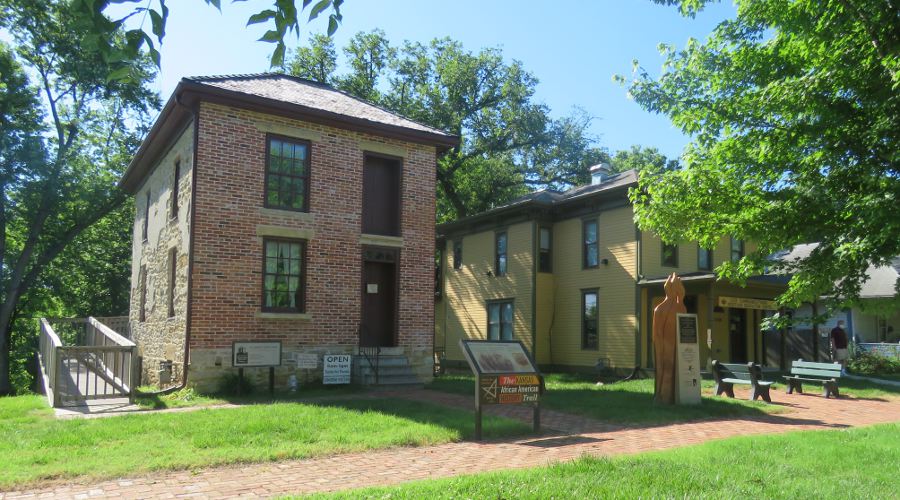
[(392, 370)]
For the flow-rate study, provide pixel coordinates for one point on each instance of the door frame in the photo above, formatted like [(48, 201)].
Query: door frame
[(395, 252)]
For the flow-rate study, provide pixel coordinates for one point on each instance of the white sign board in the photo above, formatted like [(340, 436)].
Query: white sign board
[(307, 360), (688, 359), (336, 369), (249, 354)]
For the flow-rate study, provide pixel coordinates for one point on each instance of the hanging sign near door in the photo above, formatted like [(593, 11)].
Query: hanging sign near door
[(687, 360), (745, 303)]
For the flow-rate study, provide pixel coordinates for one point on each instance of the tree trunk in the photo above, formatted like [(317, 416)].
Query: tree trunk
[(6, 311)]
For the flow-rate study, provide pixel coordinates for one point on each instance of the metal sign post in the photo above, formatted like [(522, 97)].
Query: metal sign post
[(504, 374)]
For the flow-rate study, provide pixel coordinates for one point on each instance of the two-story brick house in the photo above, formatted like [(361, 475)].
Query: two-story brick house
[(272, 208), (571, 276)]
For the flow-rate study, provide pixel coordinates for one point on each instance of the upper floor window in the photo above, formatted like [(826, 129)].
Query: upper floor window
[(457, 254), (145, 229), (173, 262), (500, 259), (173, 207), (142, 304), (704, 258), (284, 270), (545, 240), (737, 249), (287, 174), (590, 339), (669, 255), (500, 320), (591, 250)]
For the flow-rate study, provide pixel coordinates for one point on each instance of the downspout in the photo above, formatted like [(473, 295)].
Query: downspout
[(534, 267), (190, 267), (195, 112), (637, 298)]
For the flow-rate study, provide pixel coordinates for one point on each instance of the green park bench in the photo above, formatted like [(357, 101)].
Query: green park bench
[(826, 374), (728, 374)]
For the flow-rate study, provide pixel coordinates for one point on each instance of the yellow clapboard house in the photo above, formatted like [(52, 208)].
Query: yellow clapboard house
[(571, 276)]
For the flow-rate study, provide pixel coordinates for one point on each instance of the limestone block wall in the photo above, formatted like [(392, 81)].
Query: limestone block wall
[(161, 337)]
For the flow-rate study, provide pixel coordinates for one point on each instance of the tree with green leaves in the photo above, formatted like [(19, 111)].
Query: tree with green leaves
[(510, 144), (126, 60), (793, 108), (72, 130), (641, 158)]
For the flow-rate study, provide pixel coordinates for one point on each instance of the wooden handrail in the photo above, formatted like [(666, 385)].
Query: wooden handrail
[(109, 333), (54, 338)]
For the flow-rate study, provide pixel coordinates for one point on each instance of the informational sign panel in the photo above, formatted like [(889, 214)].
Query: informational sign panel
[(336, 368), (307, 360), (505, 374), (688, 360), (499, 356), (744, 303), (251, 354)]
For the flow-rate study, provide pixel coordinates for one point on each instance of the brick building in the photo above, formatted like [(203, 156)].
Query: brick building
[(272, 208)]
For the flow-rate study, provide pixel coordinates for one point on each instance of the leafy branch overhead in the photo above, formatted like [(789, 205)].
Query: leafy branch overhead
[(510, 143), (284, 17), (794, 111)]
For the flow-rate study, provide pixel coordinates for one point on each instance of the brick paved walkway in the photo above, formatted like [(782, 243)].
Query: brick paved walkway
[(582, 436)]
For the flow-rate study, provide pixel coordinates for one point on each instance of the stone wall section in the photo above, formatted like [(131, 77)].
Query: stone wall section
[(160, 337), (231, 221)]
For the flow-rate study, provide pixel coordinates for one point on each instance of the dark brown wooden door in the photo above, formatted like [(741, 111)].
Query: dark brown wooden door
[(737, 334), (381, 196), (379, 304)]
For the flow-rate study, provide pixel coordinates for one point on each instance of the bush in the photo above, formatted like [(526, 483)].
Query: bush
[(867, 363), (233, 384)]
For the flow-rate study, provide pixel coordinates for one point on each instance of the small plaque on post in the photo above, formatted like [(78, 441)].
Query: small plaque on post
[(688, 360), (255, 354)]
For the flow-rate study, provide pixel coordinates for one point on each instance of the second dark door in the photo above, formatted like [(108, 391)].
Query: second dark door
[(737, 334), (379, 304), (381, 196)]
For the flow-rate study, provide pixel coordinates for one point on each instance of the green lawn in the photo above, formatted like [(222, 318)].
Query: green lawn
[(855, 463), (622, 402), (34, 446)]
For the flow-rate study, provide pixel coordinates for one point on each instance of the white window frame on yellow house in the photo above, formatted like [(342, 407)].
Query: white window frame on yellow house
[(500, 303)]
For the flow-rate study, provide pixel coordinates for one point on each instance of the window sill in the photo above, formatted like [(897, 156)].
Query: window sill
[(381, 240), (279, 315), (300, 215)]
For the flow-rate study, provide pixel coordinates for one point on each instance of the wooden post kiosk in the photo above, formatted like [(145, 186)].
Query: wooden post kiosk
[(504, 374)]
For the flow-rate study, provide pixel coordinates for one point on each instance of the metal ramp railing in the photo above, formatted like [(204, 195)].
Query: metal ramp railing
[(93, 363)]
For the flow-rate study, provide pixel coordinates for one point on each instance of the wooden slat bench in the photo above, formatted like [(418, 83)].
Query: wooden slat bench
[(728, 374), (826, 374)]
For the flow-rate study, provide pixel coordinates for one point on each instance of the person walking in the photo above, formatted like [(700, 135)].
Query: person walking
[(839, 345)]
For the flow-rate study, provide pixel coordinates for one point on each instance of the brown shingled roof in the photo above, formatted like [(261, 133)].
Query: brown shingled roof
[(278, 94), (311, 94)]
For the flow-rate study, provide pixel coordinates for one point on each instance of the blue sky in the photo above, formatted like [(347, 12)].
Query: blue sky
[(572, 47)]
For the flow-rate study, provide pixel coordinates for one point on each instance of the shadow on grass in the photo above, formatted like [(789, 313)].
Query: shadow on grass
[(460, 421), (189, 397), (626, 403)]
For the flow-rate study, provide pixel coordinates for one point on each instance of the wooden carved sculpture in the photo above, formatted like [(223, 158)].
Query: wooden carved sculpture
[(664, 341)]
